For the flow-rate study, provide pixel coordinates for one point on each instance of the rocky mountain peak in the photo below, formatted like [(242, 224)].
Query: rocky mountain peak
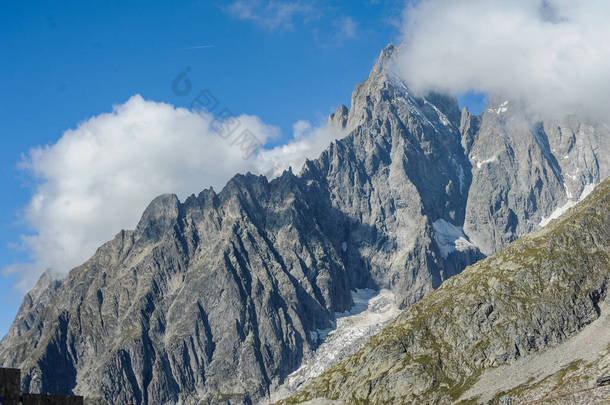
[(160, 216), (33, 303), (385, 60), (338, 119), (381, 85)]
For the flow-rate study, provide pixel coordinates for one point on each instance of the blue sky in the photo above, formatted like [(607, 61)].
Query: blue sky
[(64, 62)]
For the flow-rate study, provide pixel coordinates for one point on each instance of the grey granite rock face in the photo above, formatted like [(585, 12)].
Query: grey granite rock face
[(33, 303), (207, 300), (524, 169), (401, 168), (214, 300)]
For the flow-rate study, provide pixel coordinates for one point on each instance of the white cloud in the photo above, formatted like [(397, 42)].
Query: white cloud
[(347, 28), (308, 142), (553, 54), (99, 177), (270, 14), (277, 15)]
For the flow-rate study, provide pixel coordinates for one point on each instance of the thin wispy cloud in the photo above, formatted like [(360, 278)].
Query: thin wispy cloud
[(347, 28), (339, 30), (199, 47), (270, 14), (328, 25)]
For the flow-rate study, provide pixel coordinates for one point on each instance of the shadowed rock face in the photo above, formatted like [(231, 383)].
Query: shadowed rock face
[(214, 299)]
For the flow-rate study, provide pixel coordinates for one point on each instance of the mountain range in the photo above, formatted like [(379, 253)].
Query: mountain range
[(219, 298)]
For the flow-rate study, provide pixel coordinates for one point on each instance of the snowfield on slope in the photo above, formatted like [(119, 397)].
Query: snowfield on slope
[(561, 210), (450, 238), (372, 310)]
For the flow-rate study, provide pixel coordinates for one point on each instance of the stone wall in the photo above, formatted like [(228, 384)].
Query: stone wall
[(10, 386), (10, 392), (35, 399)]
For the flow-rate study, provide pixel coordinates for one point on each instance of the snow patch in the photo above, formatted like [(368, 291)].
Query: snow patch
[(561, 210), (462, 178), (568, 192), (484, 162), (557, 213), (442, 117), (501, 109), (587, 190), (460, 173), (450, 238), (372, 310)]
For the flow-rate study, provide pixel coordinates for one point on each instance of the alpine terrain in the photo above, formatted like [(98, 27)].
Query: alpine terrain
[(530, 322), (219, 298)]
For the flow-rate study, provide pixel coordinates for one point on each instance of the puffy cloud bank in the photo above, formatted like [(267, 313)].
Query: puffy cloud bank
[(552, 54), (98, 178)]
